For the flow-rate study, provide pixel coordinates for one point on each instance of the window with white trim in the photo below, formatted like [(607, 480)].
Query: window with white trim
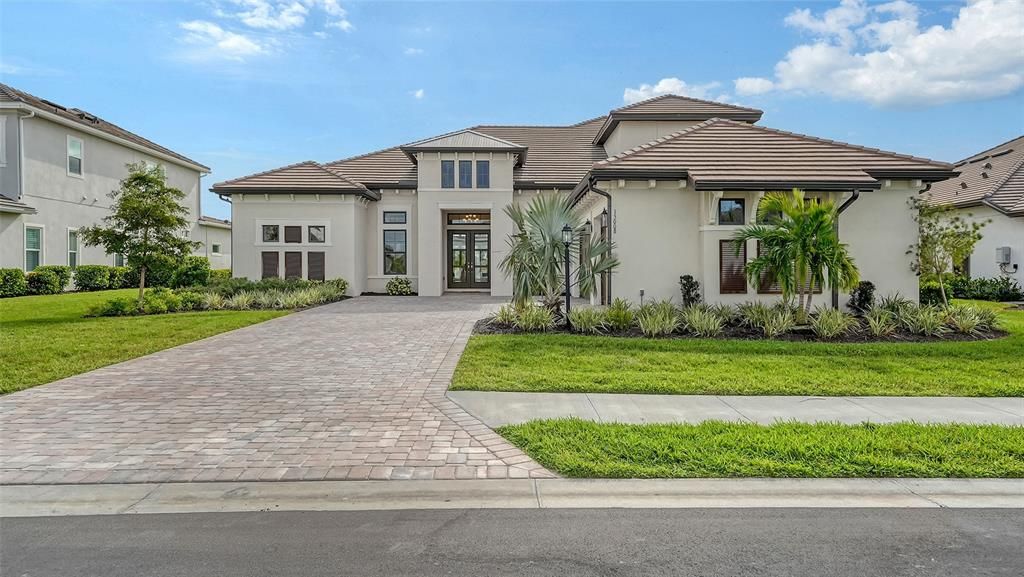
[(3, 140), (73, 248), (75, 156), (215, 248), (33, 247), (118, 259)]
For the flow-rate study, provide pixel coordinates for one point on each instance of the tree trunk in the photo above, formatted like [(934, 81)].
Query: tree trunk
[(807, 311), (142, 284), (942, 291)]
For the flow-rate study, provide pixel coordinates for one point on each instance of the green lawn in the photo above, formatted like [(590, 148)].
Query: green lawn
[(45, 338), (573, 363), (576, 448)]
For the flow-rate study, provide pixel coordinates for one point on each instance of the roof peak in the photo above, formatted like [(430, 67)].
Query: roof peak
[(684, 99)]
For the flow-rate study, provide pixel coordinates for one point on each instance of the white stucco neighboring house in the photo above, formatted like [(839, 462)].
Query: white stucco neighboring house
[(57, 166), (990, 187), (668, 180)]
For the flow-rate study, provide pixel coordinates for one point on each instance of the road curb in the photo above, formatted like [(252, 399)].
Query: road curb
[(143, 498)]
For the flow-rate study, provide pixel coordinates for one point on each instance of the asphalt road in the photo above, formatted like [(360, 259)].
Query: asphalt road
[(562, 542)]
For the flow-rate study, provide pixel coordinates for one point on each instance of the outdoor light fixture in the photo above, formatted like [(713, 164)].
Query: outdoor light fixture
[(604, 217), (588, 228), (567, 240)]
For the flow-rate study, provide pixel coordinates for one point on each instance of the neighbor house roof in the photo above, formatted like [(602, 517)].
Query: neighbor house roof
[(673, 107), (994, 177), (8, 204), (87, 121), (721, 153), (303, 177), (214, 222)]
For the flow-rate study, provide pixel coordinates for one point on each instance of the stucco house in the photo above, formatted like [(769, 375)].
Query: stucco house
[(668, 180), (990, 188), (57, 166)]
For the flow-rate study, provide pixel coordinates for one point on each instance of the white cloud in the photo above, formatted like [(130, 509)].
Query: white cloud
[(418, 94), (879, 54), (413, 51), (707, 91), (281, 15), (211, 42)]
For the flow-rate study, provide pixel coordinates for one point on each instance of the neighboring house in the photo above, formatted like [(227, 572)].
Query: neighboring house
[(991, 188), (215, 234), (57, 166), (669, 180)]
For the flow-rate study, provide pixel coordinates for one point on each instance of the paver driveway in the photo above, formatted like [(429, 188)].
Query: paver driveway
[(351, 390)]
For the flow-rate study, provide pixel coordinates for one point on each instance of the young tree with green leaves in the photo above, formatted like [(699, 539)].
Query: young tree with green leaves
[(800, 250), (945, 239), (148, 223), (536, 258)]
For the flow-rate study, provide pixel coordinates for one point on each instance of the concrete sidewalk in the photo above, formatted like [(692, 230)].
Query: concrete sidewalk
[(65, 500), (497, 409)]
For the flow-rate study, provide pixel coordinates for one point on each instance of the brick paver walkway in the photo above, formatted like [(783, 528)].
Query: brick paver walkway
[(351, 390)]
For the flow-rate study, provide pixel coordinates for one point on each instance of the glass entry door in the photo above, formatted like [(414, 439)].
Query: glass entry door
[(469, 259)]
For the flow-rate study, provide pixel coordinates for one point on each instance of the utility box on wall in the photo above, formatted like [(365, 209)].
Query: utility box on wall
[(1003, 255)]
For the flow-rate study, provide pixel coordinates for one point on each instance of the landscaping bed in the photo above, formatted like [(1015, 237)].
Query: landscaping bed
[(576, 448)]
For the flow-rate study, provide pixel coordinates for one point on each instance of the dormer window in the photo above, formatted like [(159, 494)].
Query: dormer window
[(465, 174), (447, 174)]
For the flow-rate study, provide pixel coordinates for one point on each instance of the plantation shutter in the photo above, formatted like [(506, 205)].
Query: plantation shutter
[(315, 265), (270, 264), (293, 265), (731, 277), (292, 234)]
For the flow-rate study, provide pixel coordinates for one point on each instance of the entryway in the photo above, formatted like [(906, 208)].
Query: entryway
[(469, 259)]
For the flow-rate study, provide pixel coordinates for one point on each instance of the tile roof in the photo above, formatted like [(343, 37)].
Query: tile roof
[(468, 139), (216, 222), (674, 107), (302, 177), (994, 177), (726, 153), (11, 94), (8, 204)]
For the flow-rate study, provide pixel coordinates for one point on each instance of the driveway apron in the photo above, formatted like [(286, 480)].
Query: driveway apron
[(350, 390)]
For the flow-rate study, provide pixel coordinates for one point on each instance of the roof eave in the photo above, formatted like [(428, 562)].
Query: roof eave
[(926, 175), (365, 193), (769, 185), (411, 151)]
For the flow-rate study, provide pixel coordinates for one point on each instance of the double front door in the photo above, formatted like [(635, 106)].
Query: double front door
[(469, 259)]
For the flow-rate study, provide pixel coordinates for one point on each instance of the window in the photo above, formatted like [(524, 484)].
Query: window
[(394, 217), (732, 279), (74, 156), (118, 259), (315, 265), (483, 174), (293, 234), (33, 247), (3, 140), (394, 252), (270, 264), (73, 249), (317, 234), (731, 211), (292, 264), (465, 174), (271, 233), (471, 218), (447, 174), (215, 248)]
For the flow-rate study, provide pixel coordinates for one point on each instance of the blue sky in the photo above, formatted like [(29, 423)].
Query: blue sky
[(248, 85)]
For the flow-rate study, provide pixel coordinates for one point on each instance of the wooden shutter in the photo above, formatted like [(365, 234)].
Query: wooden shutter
[(292, 264), (315, 265), (731, 277), (293, 234), (270, 264)]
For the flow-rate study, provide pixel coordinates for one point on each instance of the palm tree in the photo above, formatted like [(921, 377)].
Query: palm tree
[(800, 250), (536, 258)]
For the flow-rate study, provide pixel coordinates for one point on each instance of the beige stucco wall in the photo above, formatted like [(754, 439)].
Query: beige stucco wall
[(373, 237), (1002, 230), (210, 235), (632, 133), (9, 127), (66, 202)]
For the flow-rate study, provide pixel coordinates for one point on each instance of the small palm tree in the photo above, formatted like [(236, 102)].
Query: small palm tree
[(536, 258), (800, 250)]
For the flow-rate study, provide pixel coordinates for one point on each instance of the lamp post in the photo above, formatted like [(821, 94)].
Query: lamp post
[(567, 240)]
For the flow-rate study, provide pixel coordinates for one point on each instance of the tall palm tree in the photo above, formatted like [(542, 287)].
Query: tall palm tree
[(800, 250), (536, 258)]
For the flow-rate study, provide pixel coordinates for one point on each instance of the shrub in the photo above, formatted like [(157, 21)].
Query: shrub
[(988, 319), (777, 322), (241, 301), (964, 320), (190, 300), (92, 277), (212, 302), (63, 273), (689, 288), (925, 320), (505, 317), (587, 320), (620, 315), (862, 298), (753, 314), (43, 282), (339, 284), (12, 282), (930, 293), (161, 274), (399, 286), (220, 274), (728, 313), (119, 307), (193, 271), (702, 321), (896, 304), (120, 277), (534, 318), (881, 321), (658, 319), (831, 323), (999, 289), (269, 299)]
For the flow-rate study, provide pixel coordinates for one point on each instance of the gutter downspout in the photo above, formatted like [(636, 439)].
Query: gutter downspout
[(611, 219), (835, 226), (231, 244), (21, 152)]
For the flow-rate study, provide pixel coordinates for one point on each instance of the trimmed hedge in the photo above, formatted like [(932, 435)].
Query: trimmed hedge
[(120, 277), (13, 282), (92, 277), (44, 282), (220, 274), (999, 289), (194, 271), (63, 273)]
